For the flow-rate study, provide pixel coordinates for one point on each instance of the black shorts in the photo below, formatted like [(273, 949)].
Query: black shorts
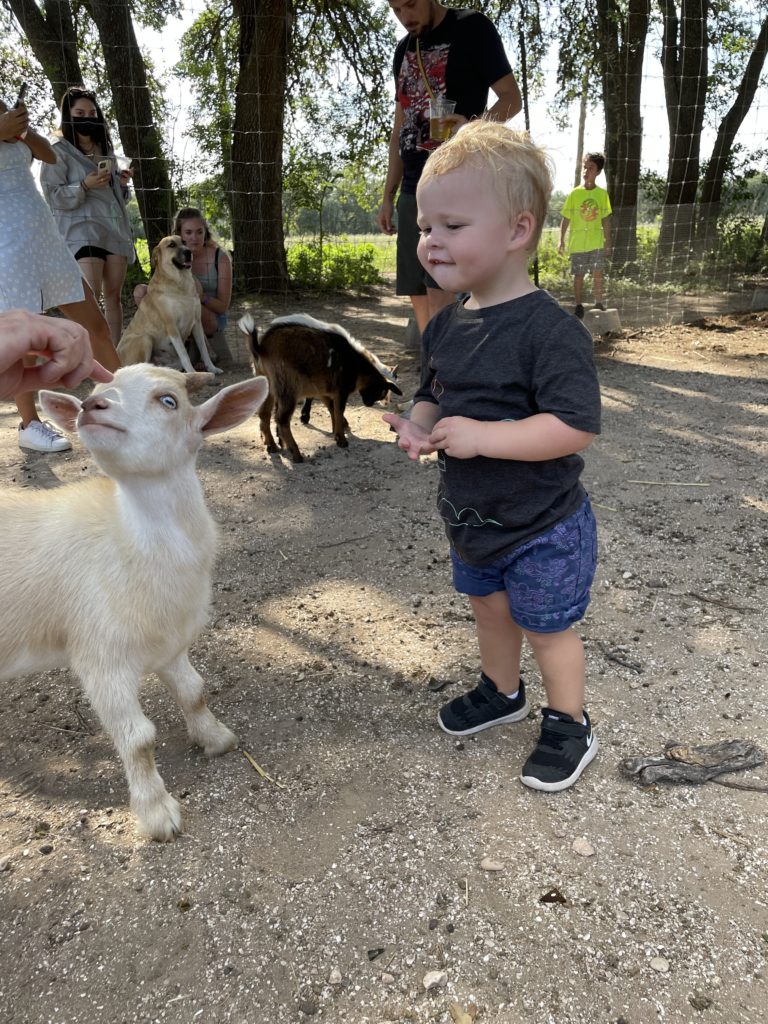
[(412, 278), (92, 252)]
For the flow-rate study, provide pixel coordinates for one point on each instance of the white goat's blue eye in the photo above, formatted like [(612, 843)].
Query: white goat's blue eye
[(169, 401)]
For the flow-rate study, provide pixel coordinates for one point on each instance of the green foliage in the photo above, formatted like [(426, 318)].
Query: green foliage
[(338, 266)]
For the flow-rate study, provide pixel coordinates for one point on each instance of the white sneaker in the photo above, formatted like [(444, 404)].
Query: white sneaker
[(42, 437)]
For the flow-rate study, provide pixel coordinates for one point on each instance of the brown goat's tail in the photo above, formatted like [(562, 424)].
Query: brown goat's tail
[(248, 326)]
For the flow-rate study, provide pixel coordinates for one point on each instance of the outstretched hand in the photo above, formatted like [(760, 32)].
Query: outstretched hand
[(64, 345), (412, 438)]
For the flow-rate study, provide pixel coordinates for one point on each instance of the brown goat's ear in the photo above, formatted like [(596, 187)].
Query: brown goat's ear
[(196, 381)]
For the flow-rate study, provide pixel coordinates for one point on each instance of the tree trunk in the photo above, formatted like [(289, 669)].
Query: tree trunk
[(684, 61), (712, 186), (51, 36), (621, 47), (582, 127), (254, 174), (138, 133)]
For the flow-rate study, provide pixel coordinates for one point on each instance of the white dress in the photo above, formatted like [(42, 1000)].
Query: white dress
[(37, 270)]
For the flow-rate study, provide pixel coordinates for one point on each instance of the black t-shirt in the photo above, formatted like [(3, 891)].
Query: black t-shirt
[(462, 58), (508, 362)]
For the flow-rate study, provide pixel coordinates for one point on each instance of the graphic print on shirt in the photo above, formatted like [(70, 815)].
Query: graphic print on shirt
[(589, 210), (413, 96), (453, 516)]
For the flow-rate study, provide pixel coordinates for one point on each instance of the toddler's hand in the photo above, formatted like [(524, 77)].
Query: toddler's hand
[(457, 436), (411, 438)]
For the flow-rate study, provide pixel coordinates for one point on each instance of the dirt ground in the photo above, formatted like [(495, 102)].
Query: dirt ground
[(377, 849)]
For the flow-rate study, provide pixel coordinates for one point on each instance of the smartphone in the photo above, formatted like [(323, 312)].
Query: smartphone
[(22, 94), (105, 165)]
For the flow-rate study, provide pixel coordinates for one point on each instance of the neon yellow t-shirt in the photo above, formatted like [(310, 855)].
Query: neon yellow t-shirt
[(586, 208)]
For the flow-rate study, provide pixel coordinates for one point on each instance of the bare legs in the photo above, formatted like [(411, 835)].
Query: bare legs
[(425, 306), (560, 656), (88, 315), (106, 279)]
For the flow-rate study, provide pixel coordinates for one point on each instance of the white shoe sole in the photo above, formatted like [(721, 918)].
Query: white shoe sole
[(555, 787)]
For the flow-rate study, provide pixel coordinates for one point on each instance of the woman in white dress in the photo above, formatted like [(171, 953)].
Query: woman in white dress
[(86, 193), (37, 271)]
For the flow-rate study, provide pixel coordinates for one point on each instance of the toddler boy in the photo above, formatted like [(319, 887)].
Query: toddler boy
[(508, 396)]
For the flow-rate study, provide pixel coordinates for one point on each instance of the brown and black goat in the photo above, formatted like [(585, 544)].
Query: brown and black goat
[(307, 358)]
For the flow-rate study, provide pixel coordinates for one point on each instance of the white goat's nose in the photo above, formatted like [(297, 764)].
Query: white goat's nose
[(95, 402)]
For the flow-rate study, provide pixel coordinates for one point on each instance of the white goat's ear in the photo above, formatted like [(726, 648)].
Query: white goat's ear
[(60, 408), (231, 406), (195, 381)]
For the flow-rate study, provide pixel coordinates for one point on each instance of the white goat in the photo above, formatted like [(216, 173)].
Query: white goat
[(111, 577)]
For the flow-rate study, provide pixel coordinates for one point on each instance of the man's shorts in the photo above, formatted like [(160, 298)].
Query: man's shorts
[(412, 278), (547, 579), (583, 262)]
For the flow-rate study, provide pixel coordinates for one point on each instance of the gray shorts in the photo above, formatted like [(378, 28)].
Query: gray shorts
[(583, 262), (412, 278)]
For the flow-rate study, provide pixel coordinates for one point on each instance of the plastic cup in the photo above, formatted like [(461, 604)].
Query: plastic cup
[(439, 108)]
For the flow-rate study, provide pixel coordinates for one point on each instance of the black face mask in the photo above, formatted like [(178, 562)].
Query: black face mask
[(87, 126)]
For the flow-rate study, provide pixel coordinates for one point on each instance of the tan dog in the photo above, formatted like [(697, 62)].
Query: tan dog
[(168, 314)]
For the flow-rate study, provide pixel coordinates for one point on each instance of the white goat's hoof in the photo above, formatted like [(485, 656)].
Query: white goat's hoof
[(219, 740), (161, 820), (216, 369)]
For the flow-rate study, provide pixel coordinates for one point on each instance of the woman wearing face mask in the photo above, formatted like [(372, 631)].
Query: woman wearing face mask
[(88, 203)]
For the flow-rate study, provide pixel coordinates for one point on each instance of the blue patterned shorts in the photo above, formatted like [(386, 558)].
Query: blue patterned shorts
[(547, 579)]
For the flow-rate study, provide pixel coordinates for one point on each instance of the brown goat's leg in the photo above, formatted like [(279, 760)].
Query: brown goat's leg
[(285, 409), (338, 402), (265, 417)]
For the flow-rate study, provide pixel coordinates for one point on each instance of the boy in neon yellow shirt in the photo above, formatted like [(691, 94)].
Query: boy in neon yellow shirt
[(587, 211)]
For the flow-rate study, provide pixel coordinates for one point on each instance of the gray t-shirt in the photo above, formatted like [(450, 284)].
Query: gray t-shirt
[(508, 362)]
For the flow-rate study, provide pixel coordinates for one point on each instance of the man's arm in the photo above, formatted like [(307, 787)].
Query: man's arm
[(563, 232), (394, 175), (509, 100)]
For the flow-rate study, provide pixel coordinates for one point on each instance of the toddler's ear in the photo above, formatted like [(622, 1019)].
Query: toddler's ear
[(523, 228)]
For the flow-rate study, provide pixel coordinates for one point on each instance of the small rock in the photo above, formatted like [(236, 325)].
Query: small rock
[(334, 978), (660, 964), (700, 1001), (307, 1007), (434, 979), (489, 864), (46, 849), (583, 848), (183, 904), (5, 863), (387, 979)]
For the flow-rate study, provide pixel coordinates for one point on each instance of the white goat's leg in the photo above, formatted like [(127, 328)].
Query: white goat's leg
[(115, 699), (204, 729)]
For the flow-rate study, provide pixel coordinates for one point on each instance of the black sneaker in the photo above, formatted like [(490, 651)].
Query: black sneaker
[(579, 311), (564, 750), (600, 306), (482, 708)]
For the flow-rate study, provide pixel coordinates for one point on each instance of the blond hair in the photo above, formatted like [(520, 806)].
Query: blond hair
[(520, 172)]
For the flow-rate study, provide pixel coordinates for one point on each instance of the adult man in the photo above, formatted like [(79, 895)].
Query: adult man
[(454, 53)]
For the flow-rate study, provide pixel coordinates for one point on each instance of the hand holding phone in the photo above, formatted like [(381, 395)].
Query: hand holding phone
[(19, 101)]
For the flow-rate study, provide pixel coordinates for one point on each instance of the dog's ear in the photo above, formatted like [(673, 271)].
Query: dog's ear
[(155, 258)]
